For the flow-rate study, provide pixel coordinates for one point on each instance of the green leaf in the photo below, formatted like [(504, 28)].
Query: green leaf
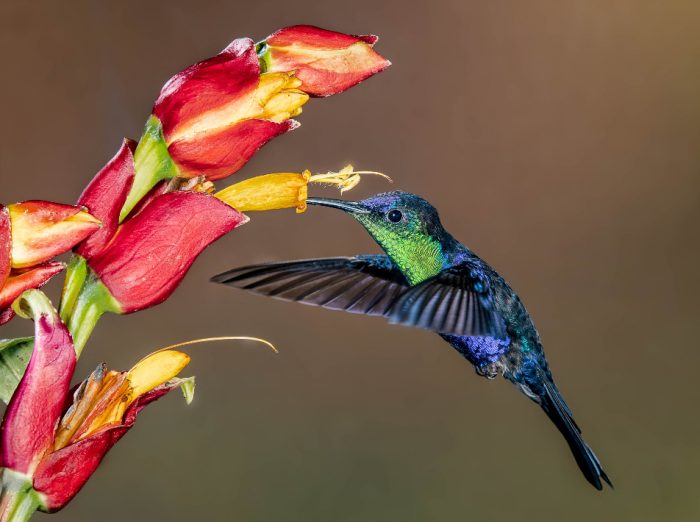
[(14, 358)]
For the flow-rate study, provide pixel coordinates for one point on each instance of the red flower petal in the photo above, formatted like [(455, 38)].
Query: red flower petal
[(153, 250), (43, 229), (207, 85), (219, 153), (312, 36), (28, 427), (325, 61), (5, 245), (61, 475), (105, 196), (18, 282), (160, 189), (6, 315)]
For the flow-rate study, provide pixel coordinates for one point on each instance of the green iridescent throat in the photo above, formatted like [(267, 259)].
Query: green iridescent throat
[(418, 255)]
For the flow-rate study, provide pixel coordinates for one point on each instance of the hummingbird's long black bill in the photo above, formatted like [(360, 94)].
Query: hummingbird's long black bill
[(352, 207)]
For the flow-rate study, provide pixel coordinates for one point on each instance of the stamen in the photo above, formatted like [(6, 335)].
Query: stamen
[(214, 339), (85, 397), (347, 178)]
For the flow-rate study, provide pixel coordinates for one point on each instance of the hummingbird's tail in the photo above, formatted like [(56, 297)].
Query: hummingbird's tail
[(556, 409)]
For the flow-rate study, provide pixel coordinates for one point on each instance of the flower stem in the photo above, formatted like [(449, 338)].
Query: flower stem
[(92, 301), (75, 278), (18, 500), (18, 506)]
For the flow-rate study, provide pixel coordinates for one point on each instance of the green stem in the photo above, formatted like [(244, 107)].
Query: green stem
[(18, 500), (93, 300), (76, 273), (20, 507)]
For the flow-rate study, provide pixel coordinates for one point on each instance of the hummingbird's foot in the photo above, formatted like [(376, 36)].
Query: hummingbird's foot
[(490, 370)]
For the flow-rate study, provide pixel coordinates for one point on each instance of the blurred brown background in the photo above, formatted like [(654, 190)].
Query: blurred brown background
[(559, 139)]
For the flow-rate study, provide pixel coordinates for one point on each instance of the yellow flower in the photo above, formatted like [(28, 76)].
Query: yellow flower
[(286, 189), (102, 400)]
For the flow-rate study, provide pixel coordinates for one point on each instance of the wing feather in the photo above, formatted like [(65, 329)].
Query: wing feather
[(362, 284), (456, 301)]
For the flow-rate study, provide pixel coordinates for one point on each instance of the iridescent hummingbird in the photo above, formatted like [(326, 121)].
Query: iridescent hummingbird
[(429, 280)]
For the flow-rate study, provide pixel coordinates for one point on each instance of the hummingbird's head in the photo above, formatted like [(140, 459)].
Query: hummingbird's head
[(406, 226)]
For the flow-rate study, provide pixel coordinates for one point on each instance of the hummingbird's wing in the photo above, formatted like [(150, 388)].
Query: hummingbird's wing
[(451, 302), (455, 302), (363, 284)]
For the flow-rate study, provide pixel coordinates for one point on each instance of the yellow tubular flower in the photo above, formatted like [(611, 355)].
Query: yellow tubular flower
[(154, 370), (268, 192), (286, 189), (103, 399)]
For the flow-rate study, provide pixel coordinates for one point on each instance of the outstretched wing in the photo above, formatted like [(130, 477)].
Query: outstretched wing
[(362, 285), (453, 302), (457, 301)]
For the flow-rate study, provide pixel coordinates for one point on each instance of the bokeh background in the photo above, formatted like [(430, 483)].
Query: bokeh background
[(559, 139)]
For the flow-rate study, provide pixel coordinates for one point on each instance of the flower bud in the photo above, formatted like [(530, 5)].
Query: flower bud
[(325, 61), (42, 230)]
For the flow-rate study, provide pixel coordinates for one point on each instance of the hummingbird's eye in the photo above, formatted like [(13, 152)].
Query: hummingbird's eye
[(394, 215)]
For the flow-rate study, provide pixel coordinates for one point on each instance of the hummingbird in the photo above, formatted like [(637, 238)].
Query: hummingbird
[(427, 279)]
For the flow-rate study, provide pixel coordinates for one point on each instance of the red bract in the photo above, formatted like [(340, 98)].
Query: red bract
[(325, 61), (27, 430), (224, 152), (141, 261), (5, 245), (41, 230), (138, 263), (217, 113), (31, 233), (105, 196), (152, 251), (61, 474), (20, 281)]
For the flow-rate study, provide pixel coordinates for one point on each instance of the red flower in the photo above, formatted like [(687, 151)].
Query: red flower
[(217, 113), (19, 281), (137, 264), (153, 250), (31, 233), (143, 260), (325, 61), (105, 195), (212, 117), (51, 444)]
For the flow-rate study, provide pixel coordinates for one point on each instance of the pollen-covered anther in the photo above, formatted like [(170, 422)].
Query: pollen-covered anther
[(346, 178), (84, 398), (279, 97)]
